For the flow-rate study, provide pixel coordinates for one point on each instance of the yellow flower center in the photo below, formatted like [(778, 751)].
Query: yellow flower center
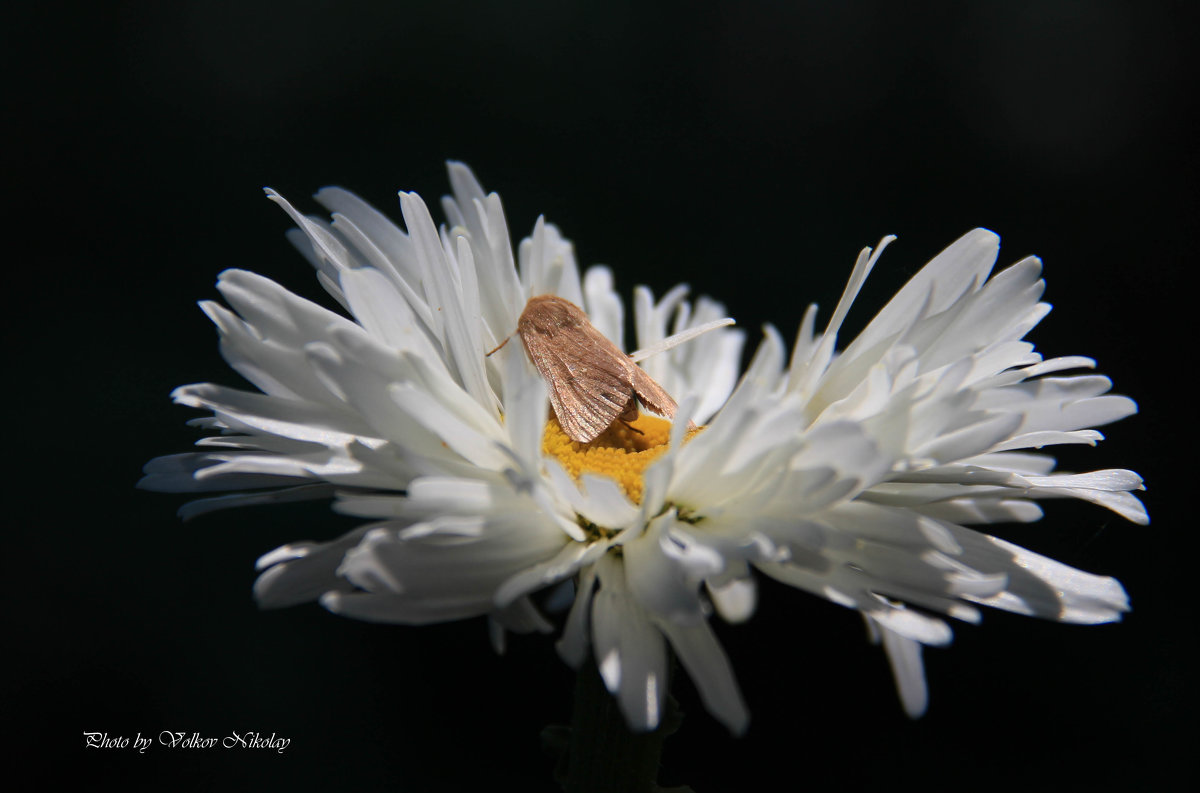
[(622, 452)]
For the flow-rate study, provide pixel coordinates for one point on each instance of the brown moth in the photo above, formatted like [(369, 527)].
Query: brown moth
[(592, 383)]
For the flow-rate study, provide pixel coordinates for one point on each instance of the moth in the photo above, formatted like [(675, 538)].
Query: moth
[(592, 383)]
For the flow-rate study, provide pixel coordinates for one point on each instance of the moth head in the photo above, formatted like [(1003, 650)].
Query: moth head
[(552, 311)]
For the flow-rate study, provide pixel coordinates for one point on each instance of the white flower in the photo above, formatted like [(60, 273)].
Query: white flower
[(849, 475)]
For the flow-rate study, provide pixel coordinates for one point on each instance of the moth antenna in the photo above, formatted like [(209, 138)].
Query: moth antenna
[(677, 339), (498, 346)]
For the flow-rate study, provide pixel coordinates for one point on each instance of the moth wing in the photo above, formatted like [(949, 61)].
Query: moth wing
[(589, 386), (650, 393)]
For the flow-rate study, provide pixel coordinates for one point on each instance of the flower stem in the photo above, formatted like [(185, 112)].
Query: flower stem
[(605, 756)]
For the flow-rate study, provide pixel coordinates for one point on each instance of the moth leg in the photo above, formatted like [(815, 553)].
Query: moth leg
[(630, 427), (498, 346), (630, 414)]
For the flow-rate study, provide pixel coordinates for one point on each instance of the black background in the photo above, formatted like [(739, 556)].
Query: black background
[(750, 150)]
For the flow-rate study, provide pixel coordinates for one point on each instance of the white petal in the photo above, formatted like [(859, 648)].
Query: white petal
[(385, 314), (463, 438), (573, 643), (302, 572), (679, 338), (572, 557), (604, 308), (1043, 587), (862, 268), (330, 253), (904, 655), (630, 652), (286, 495), (604, 503), (483, 216), (708, 666), (390, 608), (287, 418), (454, 318), (664, 572), (735, 599), (957, 270), (521, 616), (450, 557), (911, 625), (176, 473)]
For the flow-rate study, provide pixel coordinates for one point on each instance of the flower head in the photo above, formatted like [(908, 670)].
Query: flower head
[(849, 474)]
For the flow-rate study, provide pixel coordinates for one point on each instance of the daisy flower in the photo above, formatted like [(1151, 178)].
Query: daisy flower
[(851, 474)]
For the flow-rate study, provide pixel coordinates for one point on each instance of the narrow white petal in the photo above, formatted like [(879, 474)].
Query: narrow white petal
[(395, 268), (971, 440), (708, 666), (604, 503), (483, 216), (1043, 587), (386, 314), (526, 405), (572, 557), (1038, 440), (573, 644), (911, 625), (458, 435), (958, 269), (664, 574), (904, 656), (395, 609), (273, 415), (604, 307), (326, 247), (979, 510), (735, 599), (176, 473), (679, 338), (630, 652), (302, 572), (285, 495), (520, 616), (387, 237), (858, 276)]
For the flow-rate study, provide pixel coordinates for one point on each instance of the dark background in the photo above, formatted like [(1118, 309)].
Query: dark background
[(751, 151)]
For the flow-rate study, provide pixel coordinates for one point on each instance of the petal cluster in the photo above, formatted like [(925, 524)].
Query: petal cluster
[(851, 474)]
